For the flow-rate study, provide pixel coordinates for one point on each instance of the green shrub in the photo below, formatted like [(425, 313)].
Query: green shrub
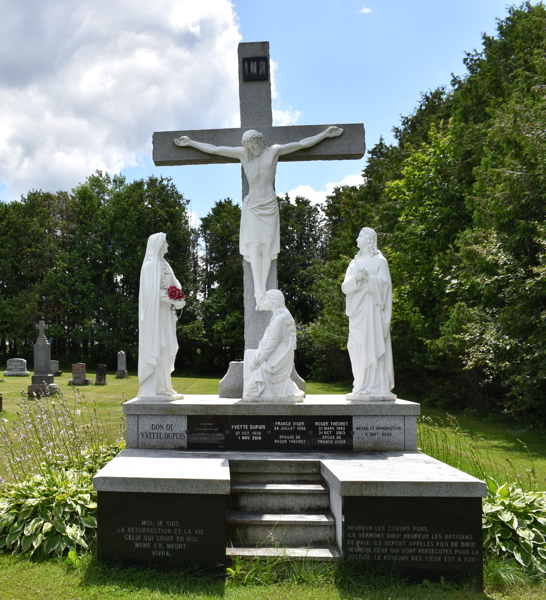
[(514, 525), (48, 514), (52, 452)]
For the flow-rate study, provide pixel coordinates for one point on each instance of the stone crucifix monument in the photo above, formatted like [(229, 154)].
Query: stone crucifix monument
[(258, 146), (43, 379)]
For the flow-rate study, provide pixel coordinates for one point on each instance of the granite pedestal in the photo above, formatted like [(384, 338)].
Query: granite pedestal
[(319, 479)]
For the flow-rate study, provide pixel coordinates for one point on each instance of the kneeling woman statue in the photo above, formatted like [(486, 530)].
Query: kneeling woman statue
[(157, 344), (267, 370)]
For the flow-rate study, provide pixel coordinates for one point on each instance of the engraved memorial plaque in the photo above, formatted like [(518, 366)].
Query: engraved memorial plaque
[(162, 431), (248, 433), (420, 537), (289, 433), (331, 433), (207, 432), (165, 530)]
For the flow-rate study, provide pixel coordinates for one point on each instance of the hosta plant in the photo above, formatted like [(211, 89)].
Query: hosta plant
[(514, 525), (48, 514)]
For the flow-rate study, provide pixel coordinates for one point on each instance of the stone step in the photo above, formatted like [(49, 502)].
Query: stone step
[(272, 465), (279, 497), (280, 529), (276, 477), (314, 554)]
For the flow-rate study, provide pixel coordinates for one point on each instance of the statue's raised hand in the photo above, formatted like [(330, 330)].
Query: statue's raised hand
[(333, 131), (183, 140)]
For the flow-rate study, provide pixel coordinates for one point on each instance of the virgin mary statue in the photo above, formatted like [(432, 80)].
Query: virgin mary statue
[(157, 344)]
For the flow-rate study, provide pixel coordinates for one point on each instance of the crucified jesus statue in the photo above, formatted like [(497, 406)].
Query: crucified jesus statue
[(259, 239)]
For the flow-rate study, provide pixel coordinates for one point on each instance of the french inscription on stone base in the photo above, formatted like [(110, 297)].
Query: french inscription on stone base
[(162, 431), (16, 367), (249, 433), (332, 433), (165, 530), (378, 433), (289, 433), (424, 538), (207, 433)]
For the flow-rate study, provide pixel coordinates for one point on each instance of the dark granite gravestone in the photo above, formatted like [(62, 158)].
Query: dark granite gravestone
[(423, 538), (100, 376)]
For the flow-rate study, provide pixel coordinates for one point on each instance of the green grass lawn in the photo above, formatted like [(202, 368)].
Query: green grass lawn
[(22, 579)]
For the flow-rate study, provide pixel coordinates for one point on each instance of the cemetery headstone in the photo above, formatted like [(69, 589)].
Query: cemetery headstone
[(43, 379), (55, 368), (121, 372), (100, 377), (78, 375), (16, 367)]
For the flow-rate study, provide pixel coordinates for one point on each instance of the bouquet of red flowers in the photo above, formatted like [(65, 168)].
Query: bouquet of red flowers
[(175, 293)]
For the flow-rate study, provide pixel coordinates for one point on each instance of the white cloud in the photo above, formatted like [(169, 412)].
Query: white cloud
[(366, 11), (83, 85), (285, 117), (319, 197)]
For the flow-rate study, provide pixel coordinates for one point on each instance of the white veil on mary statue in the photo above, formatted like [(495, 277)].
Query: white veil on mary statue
[(157, 344)]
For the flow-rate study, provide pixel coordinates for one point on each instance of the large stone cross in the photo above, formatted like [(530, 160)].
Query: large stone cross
[(41, 328), (256, 113)]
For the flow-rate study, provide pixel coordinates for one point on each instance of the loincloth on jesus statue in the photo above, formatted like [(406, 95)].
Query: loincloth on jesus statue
[(260, 225)]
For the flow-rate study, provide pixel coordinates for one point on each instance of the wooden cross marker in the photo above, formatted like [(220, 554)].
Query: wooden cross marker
[(256, 113)]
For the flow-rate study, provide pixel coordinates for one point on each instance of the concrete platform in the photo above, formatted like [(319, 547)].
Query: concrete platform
[(163, 472)]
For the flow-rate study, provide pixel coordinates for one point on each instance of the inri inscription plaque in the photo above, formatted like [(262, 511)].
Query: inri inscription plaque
[(166, 530), (421, 537)]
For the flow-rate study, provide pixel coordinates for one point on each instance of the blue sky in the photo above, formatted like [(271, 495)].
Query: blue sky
[(127, 69)]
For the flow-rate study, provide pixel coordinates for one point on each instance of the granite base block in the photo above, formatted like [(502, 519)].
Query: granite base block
[(79, 382), (159, 399), (163, 530), (423, 538), (16, 373)]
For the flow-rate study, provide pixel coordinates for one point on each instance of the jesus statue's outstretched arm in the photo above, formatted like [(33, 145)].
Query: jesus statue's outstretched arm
[(228, 151), (332, 131)]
